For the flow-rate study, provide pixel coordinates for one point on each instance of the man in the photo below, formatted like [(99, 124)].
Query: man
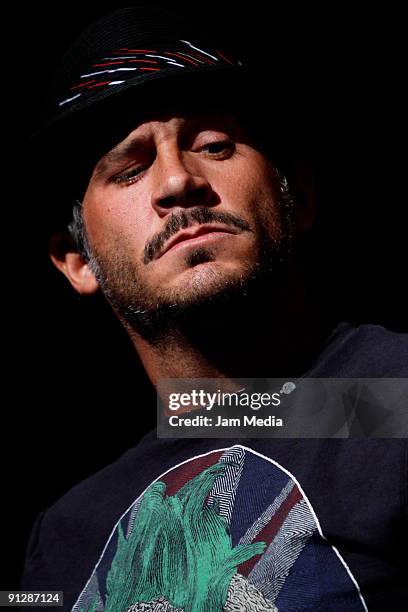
[(188, 218)]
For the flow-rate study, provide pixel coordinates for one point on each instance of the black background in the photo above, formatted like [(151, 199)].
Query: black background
[(75, 396)]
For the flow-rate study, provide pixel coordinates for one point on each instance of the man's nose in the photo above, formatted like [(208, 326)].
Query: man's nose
[(179, 181)]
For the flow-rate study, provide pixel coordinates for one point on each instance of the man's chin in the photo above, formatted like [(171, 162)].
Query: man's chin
[(206, 293), (181, 298), (204, 282)]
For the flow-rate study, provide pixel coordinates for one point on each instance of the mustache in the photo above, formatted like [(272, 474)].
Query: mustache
[(178, 221)]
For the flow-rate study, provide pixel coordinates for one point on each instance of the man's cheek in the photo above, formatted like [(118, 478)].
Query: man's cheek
[(117, 230)]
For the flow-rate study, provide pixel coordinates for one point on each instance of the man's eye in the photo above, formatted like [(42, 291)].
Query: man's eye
[(219, 148), (128, 177)]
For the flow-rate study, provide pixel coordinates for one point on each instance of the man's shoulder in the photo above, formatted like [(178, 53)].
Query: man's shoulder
[(80, 521), (366, 350), (112, 486), (86, 502)]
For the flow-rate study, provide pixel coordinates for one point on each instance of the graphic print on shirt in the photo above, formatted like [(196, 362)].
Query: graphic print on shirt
[(230, 530)]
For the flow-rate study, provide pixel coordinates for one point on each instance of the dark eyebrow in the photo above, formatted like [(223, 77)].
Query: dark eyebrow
[(119, 153)]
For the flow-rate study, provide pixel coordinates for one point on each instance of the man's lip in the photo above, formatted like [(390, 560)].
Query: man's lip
[(194, 232)]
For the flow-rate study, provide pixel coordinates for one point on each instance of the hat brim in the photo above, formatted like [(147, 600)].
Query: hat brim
[(152, 90)]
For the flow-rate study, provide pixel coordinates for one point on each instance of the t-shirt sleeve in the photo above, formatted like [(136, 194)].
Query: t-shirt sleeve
[(59, 556), (34, 573)]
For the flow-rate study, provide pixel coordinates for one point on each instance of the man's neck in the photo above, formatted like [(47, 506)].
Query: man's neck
[(274, 337)]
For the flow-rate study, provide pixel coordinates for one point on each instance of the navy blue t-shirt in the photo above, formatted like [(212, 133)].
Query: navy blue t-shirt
[(256, 524)]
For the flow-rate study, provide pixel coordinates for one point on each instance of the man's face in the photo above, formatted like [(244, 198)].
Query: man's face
[(184, 208)]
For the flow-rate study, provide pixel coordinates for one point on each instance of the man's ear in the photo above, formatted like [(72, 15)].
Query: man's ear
[(303, 189), (66, 258)]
